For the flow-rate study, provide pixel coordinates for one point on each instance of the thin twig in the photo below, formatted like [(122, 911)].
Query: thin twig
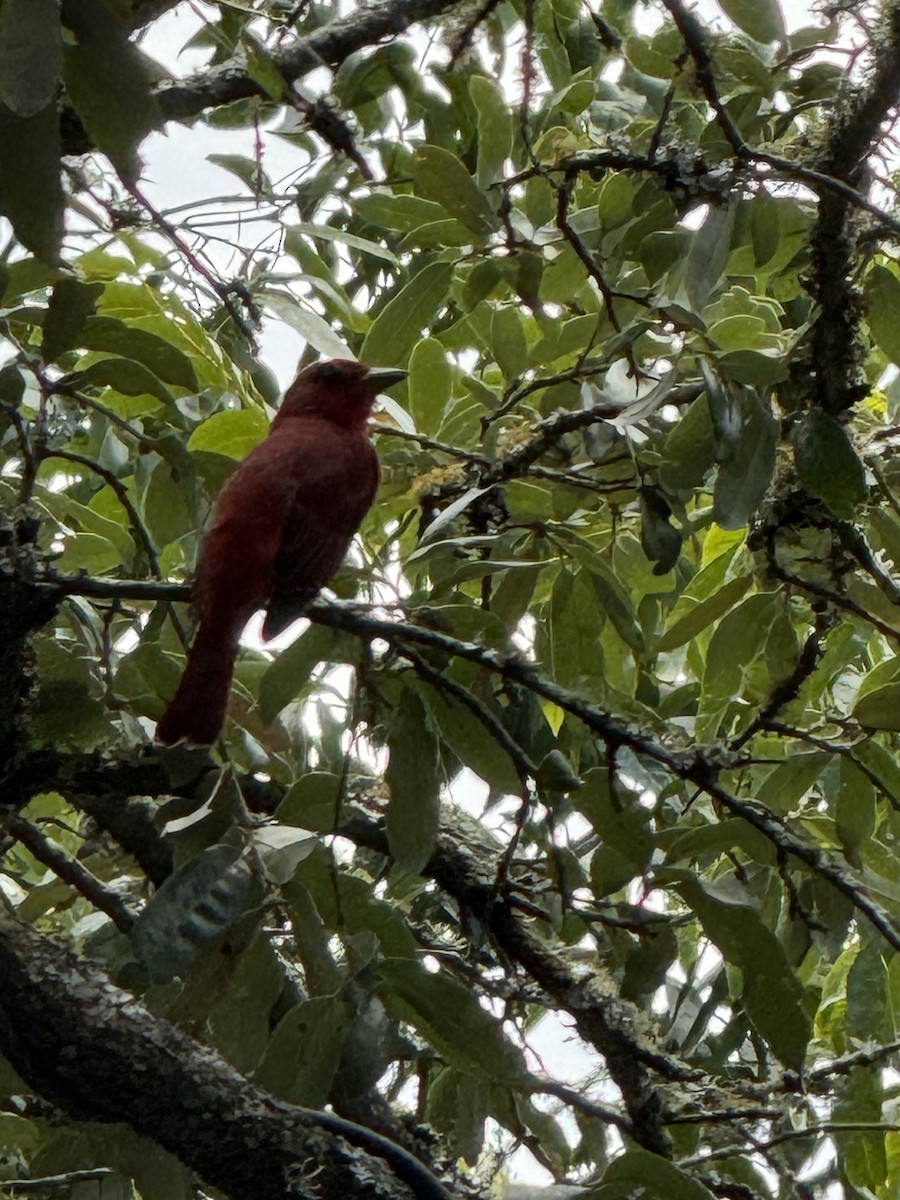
[(71, 871), (112, 481), (225, 291)]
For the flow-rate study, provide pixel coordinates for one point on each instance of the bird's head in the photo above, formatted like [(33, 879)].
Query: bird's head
[(338, 389)]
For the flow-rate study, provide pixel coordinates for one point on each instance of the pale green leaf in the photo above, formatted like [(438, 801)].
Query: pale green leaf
[(233, 433)]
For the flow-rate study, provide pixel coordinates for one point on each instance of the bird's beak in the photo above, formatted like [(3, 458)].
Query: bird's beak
[(385, 377)]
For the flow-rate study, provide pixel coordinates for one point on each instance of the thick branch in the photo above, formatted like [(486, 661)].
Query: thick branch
[(689, 764), (180, 100), (83, 1044), (853, 132), (837, 179), (614, 1027)]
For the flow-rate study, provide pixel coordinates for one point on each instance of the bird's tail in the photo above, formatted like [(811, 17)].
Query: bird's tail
[(197, 710)]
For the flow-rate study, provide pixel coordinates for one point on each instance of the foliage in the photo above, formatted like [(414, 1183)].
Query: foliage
[(606, 711)]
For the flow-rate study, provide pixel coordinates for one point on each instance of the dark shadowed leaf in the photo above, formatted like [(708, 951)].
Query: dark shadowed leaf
[(289, 673), (449, 1015), (304, 1051), (107, 82), (71, 303), (29, 167), (761, 19), (828, 466), (30, 55), (412, 778), (747, 437), (771, 992), (127, 341), (639, 1173)]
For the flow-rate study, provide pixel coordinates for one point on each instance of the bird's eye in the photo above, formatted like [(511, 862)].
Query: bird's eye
[(329, 370)]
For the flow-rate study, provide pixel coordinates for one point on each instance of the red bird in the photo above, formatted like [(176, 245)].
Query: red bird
[(281, 528)]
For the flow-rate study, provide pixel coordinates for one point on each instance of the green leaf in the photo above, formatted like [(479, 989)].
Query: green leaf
[(89, 552), (457, 1107), (868, 998), (828, 466), (412, 778), (264, 70), (883, 310), (761, 19), (401, 213), (71, 303), (863, 1155), (878, 699), (509, 343), (879, 762), (312, 802), (740, 331), (239, 1020), (347, 903), (107, 82), (722, 837), (736, 648), (622, 824), (754, 368), (784, 787), (29, 168), (439, 176), (471, 742), (329, 234), (556, 775), (248, 170), (747, 439), (771, 992), (144, 677), (709, 252), (765, 226), (448, 1014), (125, 376), (233, 433), (156, 353), (855, 809), (568, 637), (400, 323), (304, 1052), (688, 620), (494, 129), (289, 673), (655, 55), (615, 601), (689, 449), (30, 55), (430, 382), (640, 1173), (166, 505), (68, 710)]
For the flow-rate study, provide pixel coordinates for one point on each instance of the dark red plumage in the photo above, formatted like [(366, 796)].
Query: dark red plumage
[(280, 530)]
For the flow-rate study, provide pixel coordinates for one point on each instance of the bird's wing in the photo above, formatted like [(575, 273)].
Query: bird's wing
[(320, 524)]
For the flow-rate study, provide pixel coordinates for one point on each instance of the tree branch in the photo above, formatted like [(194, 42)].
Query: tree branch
[(690, 765), (82, 1043), (182, 99)]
